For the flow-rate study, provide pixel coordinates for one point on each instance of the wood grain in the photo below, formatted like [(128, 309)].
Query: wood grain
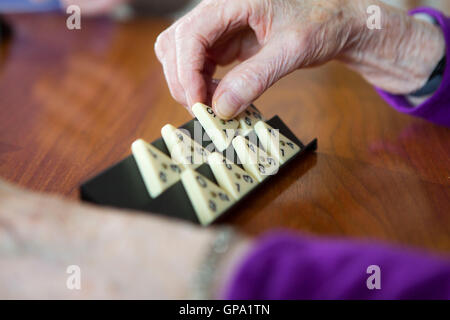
[(72, 102)]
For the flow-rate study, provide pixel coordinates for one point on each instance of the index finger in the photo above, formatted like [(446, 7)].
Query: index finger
[(198, 32)]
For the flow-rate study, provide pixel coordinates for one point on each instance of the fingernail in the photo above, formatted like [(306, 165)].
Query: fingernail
[(224, 106)]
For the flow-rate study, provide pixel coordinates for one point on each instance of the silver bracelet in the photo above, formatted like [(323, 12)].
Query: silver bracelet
[(204, 277)]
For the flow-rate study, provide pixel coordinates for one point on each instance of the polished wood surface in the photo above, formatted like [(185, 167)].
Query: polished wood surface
[(72, 102)]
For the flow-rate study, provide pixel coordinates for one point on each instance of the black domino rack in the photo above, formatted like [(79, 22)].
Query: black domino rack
[(122, 186)]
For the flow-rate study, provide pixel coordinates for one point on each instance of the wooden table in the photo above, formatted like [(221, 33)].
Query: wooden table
[(72, 102)]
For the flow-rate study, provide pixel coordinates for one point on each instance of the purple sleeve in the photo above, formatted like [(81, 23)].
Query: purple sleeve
[(437, 108), (288, 266)]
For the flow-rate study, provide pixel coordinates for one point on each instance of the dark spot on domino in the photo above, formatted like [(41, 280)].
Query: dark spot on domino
[(223, 197), (261, 168), (175, 168), (212, 205), (201, 181)]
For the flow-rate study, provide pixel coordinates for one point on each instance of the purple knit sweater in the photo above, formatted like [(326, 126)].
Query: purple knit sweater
[(286, 266), (437, 108)]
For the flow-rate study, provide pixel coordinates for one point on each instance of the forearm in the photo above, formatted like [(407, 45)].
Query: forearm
[(401, 56), (121, 254)]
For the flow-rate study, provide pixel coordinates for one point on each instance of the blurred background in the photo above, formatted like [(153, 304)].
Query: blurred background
[(127, 8), (407, 4), (181, 6), (168, 6)]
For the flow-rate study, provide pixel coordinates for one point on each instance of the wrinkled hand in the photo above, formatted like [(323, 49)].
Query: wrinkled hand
[(272, 38), (122, 255)]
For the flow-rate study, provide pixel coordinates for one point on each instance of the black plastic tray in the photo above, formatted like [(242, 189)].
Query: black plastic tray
[(122, 186)]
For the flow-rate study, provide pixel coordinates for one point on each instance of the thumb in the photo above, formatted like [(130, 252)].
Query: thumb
[(248, 80)]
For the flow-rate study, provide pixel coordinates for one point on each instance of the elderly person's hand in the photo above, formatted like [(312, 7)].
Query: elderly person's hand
[(272, 38), (121, 254)]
